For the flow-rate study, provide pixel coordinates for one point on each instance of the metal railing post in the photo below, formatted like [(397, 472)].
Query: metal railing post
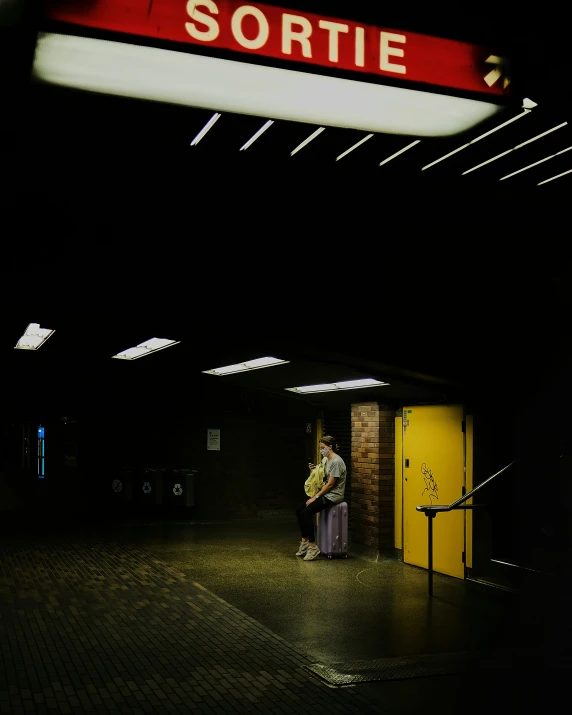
[(430, 517)]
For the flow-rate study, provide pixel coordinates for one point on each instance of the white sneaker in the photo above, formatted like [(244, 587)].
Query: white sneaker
[(302, 548), (312, 552)]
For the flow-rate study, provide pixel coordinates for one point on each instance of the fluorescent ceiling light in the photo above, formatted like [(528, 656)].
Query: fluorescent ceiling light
[(333, 386), (478, 139), (351, 384), (208, 126), (34, 337), (183, 78), (555, 177), (308, 140), (146, 348), (248, 365), (258, 134), (326, 387), (355, 146), (518, 146), (397, 153), (536, 163)]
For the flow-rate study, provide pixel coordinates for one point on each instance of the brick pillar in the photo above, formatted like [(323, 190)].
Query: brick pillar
[(373, 475)]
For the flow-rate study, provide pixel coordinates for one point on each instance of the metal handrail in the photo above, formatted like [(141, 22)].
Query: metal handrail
[(431, 512), (465, 497)]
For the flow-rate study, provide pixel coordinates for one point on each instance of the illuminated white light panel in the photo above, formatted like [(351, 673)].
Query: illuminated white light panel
[(518, 146), (208, 126), (222, 85), (536, 163), (397, 153), (555, 177), (33, 337), (355, 146), (474, 141), (146, 348), (308, 140), (258, 134), (333, 386), (248, 365)]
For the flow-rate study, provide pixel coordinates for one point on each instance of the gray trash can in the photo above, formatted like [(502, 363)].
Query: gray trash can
[(119, 489), (179, 488), (149, 487)]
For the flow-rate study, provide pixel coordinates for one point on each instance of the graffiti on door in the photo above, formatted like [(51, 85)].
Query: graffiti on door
[(430, 484)]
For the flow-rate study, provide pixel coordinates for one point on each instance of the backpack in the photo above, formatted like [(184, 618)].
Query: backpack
[(316, 479)]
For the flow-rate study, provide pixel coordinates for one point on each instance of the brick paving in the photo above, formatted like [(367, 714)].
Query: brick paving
[(92, 624)]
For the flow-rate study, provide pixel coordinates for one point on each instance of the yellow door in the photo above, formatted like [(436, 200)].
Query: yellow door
[(433, 473), (469, 486), (398, 483)]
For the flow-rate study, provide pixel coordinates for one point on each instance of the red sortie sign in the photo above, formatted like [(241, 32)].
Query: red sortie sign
[(268, 31)]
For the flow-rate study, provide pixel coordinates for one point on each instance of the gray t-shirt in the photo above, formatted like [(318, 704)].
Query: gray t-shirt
[(336, 467)]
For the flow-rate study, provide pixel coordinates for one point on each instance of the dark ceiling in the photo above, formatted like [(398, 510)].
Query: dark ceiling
[(115, 230), (112, 147), (122, 143), (464, 337)]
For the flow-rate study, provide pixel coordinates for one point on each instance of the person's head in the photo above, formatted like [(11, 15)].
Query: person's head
[(328, 445)]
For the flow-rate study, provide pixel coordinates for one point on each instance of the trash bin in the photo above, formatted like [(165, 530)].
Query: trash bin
[(119, 489), (180, 488), (149, 487)]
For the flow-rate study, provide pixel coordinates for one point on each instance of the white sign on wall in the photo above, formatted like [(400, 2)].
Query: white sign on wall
[(213, 440)]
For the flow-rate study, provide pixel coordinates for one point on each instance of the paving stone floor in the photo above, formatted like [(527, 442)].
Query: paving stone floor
[(129, 619), (94, 625)]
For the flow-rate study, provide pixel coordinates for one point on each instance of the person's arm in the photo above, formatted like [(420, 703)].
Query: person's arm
[(326, 487), (311, 465)]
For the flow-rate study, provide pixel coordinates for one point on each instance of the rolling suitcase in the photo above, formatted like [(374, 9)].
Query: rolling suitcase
[(333, 531)]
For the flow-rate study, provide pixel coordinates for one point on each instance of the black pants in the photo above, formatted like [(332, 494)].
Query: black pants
[(305, 516)]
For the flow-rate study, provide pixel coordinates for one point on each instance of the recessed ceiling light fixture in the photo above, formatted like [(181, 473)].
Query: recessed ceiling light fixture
[(527, 107), (34, 337), (146, 348), (247, 365), (397, 153), (208, 126), (555, 177), (258, 134), (334, 386), (308, 140), (536, 163), (355, 146), (518, 146)]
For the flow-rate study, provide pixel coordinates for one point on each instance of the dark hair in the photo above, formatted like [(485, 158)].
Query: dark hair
[(330, 441)]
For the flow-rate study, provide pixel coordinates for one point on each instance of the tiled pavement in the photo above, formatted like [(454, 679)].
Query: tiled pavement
[(95, 625)]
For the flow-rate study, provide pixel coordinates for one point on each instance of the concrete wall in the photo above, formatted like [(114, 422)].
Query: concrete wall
[(261, 466)]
